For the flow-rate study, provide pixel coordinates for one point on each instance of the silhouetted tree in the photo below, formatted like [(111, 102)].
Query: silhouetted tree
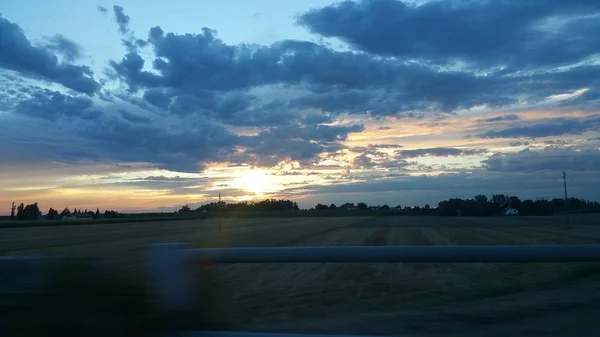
[(65, 212), (53, 214), (320, 207), (362, 206), (333, 207), (481, 199), (29, 212), (112, 214), (97, 214), (184, 208), (385, 207)]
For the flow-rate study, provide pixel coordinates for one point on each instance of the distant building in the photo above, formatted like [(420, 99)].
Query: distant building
[(510, 211), (77, 216)]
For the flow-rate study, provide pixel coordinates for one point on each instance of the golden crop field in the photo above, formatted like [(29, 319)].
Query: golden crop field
[(380, 298)]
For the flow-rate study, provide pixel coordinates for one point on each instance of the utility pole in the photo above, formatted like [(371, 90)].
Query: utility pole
[(566, 197), (219, 212)]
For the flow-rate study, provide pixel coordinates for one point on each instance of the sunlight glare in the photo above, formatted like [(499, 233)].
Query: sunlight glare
[(256, 181)]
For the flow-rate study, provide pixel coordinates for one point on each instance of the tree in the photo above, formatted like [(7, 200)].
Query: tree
[(320, 207), (12, 211), (500, 199), (75, 211), (185, 208), (97, 214), (53, 214), (427, 207), (514, 202), (362, 206), (20, 210), (333, 206), (385, 207), (481, 199), (29, 212), (65, 212)]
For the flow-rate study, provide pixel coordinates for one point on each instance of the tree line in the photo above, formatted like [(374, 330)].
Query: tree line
[(265, 205), (479, 205), (32, 212)]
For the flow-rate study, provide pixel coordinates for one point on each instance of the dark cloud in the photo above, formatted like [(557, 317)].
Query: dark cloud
[(439, 152), (375, 159), (193, 64), (134, 118), (160, 98), (192, 71), (182, 148), (68, 49), (385, 146), (553, 159), (487, 33), (18, 54), (384, 128), (546, 128), (500, 118), (102, 9), (122, 19), (320, 133), (516, 144), (52, 105), (364, 161)]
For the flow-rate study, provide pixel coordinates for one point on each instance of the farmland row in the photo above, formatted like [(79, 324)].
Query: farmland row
[(307, 289)]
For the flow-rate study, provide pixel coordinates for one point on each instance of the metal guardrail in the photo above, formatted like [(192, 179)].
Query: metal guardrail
[(451, 254), (174, 287), (251, 334)]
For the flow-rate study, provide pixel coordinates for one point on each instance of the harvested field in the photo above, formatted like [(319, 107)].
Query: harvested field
[(420, 299)]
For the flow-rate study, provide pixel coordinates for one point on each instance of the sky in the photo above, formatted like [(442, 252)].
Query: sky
[(146, 106)]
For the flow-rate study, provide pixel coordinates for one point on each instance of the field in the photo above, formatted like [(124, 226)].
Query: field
[(417, 299)]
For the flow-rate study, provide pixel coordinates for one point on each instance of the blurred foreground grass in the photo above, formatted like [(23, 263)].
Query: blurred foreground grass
[(78, 297)]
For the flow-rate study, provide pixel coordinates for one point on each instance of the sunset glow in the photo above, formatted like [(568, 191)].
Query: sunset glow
[(129, 109)]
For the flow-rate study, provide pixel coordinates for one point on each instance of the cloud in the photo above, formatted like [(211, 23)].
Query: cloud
[(439, 152), (190, 73), (122, 19), (552, 158), (193, 67), (321, 133), (385, 128), (18, 54), (134, 118), (517, 144), (51, 105), (485, 33), (59, 44), (102, 9), (510, 117), (166, 179), (546, 128), (182, 149)]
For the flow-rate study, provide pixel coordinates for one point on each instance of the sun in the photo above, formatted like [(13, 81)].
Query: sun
[(256, 181)]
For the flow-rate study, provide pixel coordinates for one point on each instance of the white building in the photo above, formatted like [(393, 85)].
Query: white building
[(511, 211)]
